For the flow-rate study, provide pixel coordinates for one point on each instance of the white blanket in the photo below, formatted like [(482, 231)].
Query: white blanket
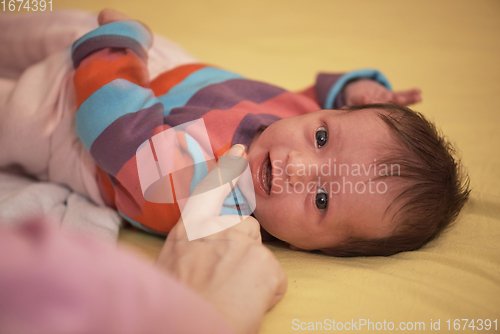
[(22, 198)]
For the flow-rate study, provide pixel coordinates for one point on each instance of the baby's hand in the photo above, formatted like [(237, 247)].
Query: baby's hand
[(109, 15), (367, 91)]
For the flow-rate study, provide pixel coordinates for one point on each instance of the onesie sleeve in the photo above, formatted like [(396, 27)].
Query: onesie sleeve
[(116, 111), (121, 34), (329, 87)]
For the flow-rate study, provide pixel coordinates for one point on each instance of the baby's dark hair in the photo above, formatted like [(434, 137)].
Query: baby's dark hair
[(433, 192)]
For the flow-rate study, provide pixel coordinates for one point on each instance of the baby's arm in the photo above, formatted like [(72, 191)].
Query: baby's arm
[(110, 81)]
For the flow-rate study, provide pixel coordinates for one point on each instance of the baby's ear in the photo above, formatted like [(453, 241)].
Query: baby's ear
[(295, 248)]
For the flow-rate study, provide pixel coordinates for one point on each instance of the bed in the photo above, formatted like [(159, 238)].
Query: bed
[(449, 49)]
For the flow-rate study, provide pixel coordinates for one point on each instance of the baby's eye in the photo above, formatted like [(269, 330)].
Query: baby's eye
[(321, 137), (321, 199)]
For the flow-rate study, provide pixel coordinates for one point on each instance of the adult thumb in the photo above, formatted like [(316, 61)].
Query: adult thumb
[(208, 197)]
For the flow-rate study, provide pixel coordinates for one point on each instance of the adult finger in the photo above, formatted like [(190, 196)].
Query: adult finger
[(208, 196), (248, 226), (281, 285)]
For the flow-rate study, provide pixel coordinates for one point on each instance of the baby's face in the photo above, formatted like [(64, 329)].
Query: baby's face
[(315, 178)]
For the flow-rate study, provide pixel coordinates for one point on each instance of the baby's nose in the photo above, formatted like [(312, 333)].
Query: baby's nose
[(301, 168)]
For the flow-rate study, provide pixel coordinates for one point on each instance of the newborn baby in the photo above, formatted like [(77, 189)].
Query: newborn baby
[(332, 169)]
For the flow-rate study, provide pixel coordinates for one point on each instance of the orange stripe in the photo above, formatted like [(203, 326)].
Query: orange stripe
[(105, 187), (160, 217), (221, 151), (130, 200), (99, 72), (165, 81)]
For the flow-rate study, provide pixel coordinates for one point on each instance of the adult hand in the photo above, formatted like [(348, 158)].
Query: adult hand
[(365, 91), (231, 269)]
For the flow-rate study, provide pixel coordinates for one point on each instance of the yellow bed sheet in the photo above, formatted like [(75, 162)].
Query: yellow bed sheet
[(451, 50)]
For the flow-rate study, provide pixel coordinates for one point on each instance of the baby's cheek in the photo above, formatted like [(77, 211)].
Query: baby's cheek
[(272, 218), (262, 212)]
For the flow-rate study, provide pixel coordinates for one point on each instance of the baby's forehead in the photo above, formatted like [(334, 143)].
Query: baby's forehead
[(369, 113), (364, 126)]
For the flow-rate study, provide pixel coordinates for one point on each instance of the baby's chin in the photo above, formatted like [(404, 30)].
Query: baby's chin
[(266, 236), (262, 221), (264, 225), (273, 233)]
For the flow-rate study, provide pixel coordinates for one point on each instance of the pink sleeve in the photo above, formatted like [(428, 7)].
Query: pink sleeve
[(52, 282)]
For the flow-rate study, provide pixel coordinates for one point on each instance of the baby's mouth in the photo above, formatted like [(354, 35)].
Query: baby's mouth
[(266, 175)]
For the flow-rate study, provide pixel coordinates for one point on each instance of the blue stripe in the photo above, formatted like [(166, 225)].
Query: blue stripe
[(107, 104), (226, 210), (360, 74), (236, 197), (180, 94), (200, 164), (132, 29)]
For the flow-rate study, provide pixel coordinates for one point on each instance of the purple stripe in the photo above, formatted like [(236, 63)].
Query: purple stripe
[(118, 143), (249, 126), (234, 91), (107, 41), (222, 96), (183, 115), (324, 82)]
